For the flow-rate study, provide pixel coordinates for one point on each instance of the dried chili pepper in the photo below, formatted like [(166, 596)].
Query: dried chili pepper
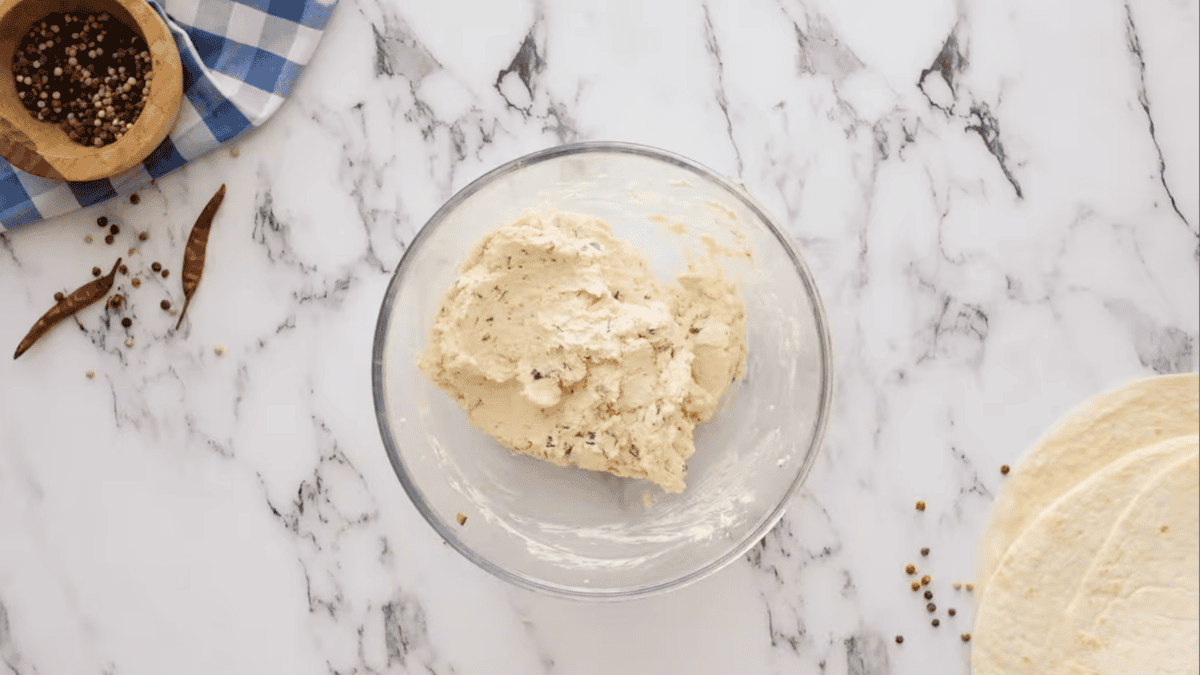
[(194, 252), (77, 300)]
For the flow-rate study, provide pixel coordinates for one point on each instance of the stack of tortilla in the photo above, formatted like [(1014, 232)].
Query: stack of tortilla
[(1090, 561)]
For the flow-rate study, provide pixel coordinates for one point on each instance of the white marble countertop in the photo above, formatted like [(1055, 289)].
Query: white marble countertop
[(999, 202)]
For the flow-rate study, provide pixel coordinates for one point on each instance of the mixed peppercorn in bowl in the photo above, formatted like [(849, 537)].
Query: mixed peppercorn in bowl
[(95, 86)]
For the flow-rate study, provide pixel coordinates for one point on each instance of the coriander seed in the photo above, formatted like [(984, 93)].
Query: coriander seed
[(916, 585), (925, 580), (58, 297), (1004, 469), (911, 569), (920, 506), (966, 637), (95, 271)]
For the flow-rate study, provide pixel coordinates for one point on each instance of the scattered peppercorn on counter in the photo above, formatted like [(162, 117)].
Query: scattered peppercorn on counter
[(193, 267)]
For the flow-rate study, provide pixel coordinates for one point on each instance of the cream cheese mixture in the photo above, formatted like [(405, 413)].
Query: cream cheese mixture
[(559, 341)]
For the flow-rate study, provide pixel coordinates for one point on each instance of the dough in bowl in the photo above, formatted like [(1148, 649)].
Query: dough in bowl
[(1100, 430), (558, 340), (1074, 587)]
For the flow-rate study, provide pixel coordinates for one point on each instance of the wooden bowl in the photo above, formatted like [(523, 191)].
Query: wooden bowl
[(43, 149)]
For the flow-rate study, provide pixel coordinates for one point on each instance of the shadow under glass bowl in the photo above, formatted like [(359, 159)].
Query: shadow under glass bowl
[(589, 535)]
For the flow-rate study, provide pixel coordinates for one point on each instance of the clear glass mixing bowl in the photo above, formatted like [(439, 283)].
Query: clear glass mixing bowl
[(582, 534)]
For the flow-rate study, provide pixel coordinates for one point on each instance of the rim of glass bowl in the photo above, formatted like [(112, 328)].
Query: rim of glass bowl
[(442, 527)]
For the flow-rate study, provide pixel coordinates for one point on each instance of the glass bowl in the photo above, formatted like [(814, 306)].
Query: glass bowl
[(582, 534)]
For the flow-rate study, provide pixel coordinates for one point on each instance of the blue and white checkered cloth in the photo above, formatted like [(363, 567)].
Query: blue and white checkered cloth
[(240, 60)]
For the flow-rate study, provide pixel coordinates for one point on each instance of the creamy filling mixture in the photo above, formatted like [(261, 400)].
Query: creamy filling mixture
[(559, 342)]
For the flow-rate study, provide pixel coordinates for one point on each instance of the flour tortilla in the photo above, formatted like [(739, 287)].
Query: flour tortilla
[(1019, 626), (1138, 608), (1101, 430)]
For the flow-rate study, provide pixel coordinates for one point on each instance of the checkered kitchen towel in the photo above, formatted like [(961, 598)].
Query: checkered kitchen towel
[(240, 60)]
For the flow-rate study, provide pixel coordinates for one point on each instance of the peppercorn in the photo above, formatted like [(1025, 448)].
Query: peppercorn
[(127, 322), (117, 300), (134, 199), (95, 271), (143, 236), (102, 221), (165, 304), (155, 266), (936, 623), (109, 239), (123, 269), (951, 611), (920, 506), (165, 273), (136, 282), (928, 595), (114, 230), (931, 607), (924, 551), (966, 637), (1004, 469), (58, 297), (911, 569), (899, 639), (93, 93)]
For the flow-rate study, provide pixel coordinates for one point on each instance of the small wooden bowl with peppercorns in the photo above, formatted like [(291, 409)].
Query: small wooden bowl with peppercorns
[(104, 106)]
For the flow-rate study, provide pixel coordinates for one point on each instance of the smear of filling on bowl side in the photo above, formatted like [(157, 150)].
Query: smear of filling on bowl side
[(559, 342)]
